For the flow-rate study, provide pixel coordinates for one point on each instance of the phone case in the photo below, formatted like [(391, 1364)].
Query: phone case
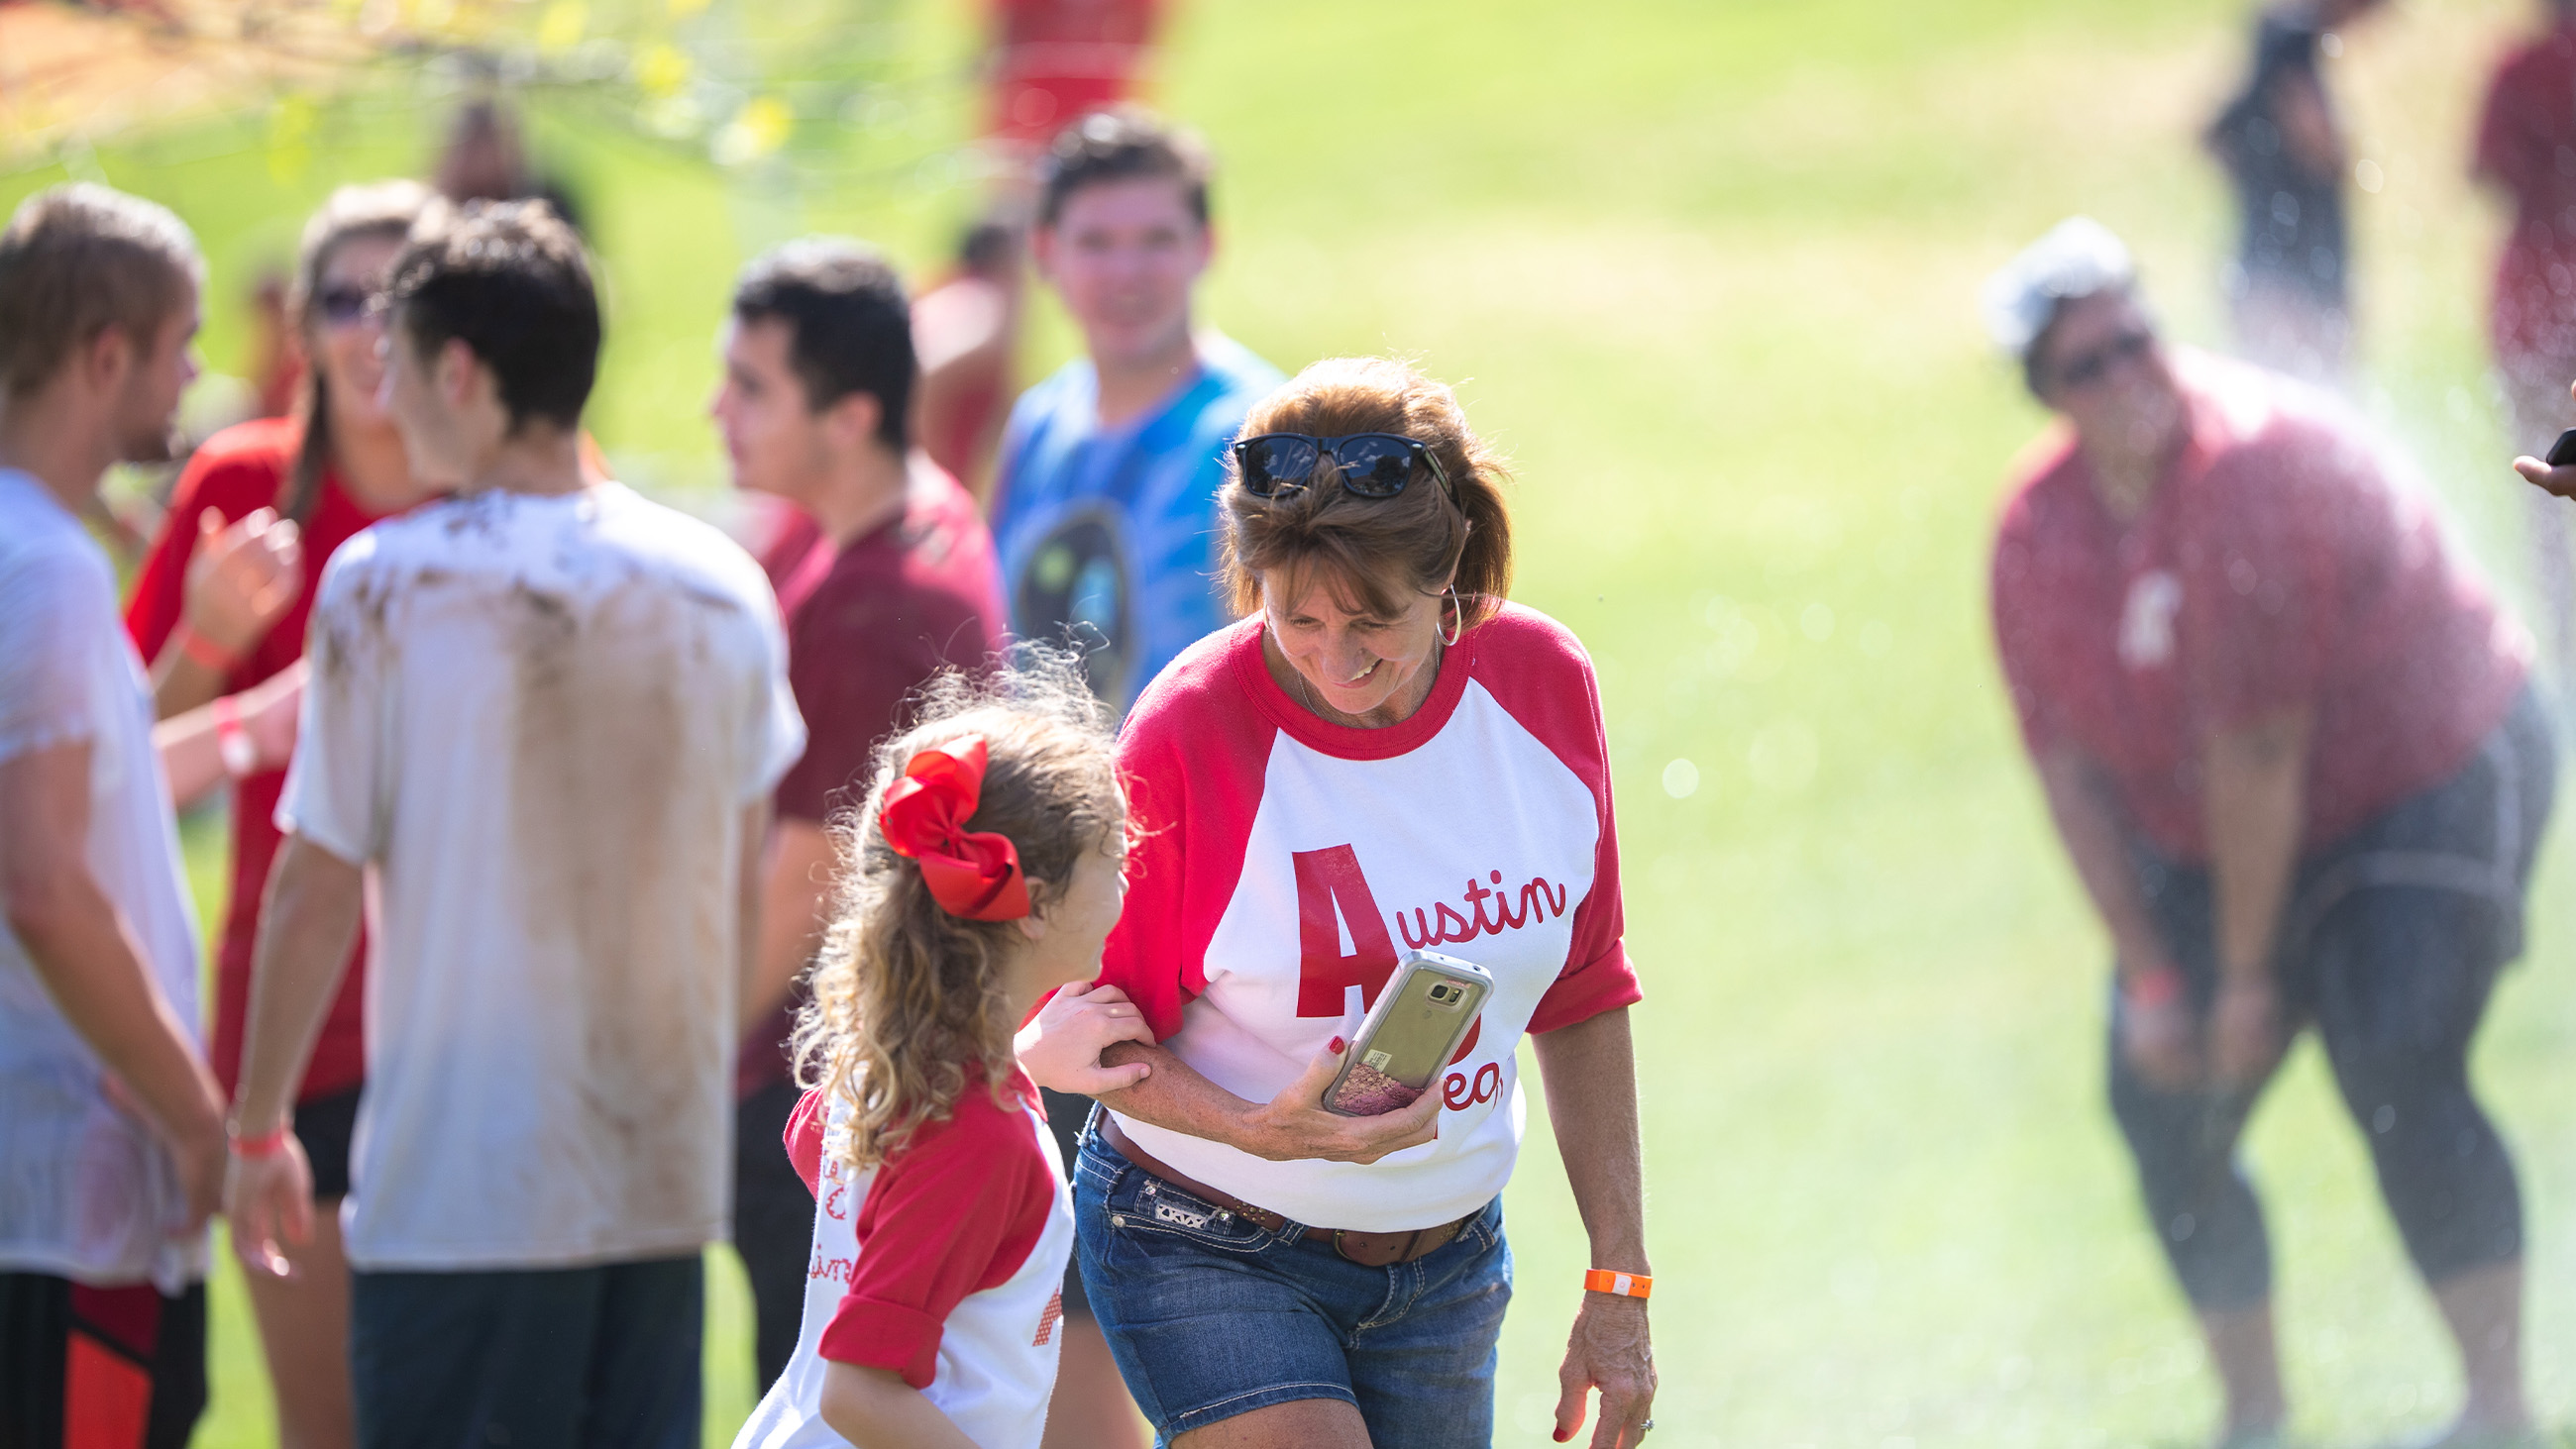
[(1426, 1010), (2562, 452)]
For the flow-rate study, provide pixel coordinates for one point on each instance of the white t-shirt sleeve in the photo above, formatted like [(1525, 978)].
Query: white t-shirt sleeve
[(57, 612), (339, 790)]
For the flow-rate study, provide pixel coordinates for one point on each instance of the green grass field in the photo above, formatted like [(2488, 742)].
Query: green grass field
[(1708, 272)]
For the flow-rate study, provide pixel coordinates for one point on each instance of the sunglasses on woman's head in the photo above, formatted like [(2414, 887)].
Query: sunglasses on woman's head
[(1372, 465)]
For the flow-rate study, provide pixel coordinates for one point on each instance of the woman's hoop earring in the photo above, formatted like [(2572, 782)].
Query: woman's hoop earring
[(1452, 601)]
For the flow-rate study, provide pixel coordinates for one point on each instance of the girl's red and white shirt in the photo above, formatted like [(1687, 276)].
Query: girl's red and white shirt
[(944, 1263), (1284, 862)]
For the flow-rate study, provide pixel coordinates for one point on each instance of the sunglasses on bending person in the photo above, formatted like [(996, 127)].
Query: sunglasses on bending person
[(2087, 368), (1372, 465)]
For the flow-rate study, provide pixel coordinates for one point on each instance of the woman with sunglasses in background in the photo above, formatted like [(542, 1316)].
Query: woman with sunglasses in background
[(1384, 754), (2293, 750), (329, 469)]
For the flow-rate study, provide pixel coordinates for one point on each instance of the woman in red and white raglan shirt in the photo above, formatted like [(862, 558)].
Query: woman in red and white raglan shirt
[(984, 873), (1383, 755)]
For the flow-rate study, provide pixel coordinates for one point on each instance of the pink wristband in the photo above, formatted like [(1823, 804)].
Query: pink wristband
[(266, 1144)]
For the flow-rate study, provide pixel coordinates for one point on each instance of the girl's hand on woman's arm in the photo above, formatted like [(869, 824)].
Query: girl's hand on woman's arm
[(1290, 1127), (1060, 1047), (874, 1408)]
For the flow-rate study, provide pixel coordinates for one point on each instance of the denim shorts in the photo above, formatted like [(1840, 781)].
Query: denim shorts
[(1210, 1316)]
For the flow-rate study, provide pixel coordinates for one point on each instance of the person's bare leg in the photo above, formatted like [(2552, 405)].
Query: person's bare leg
[(1091, 1408), (2484, 1310), (1302, 1424), (304, 1332), (2247, 1356)]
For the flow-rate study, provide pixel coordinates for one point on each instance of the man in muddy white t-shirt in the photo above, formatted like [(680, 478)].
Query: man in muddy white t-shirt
[(544, 721)]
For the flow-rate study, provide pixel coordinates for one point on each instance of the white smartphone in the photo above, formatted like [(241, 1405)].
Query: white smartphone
[(1425, 1011)]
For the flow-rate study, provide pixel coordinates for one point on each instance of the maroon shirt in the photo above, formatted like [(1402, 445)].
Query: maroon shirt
[(867, 624), (2278, 565)]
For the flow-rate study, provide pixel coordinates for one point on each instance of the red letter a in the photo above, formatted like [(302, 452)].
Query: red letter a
[(1330, 892)]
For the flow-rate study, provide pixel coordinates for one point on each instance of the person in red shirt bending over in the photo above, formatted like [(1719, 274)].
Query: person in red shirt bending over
[(893, 581), (322, 474), (2528, 126), (2292, 748)]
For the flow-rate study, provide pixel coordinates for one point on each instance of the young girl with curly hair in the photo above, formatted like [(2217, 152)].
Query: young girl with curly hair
[(981, 873)]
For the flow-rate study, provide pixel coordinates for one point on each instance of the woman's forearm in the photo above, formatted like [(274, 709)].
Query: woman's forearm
[(2086, 821), (180, 683), (1175, 1096), (1290, 1127), (1589, 1070), (191, 756)]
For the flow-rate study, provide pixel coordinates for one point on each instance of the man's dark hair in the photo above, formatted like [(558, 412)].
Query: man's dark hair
[(1122, 144), (510, 281), (76, 260), (989, 245), (849, 325)]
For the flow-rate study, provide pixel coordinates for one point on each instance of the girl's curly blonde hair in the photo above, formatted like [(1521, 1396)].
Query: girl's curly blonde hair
[(907, 998)]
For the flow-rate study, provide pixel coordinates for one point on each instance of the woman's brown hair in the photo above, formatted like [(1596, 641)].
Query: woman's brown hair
[(1374, 550), (381, 209), (905, 996)]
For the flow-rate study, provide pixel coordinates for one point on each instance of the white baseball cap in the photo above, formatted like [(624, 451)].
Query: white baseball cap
[(2079, 257)]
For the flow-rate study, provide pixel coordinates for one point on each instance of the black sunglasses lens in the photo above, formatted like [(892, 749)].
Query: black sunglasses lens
[(1271, 464), (343, 304), (1375, 467), (2093, 366)]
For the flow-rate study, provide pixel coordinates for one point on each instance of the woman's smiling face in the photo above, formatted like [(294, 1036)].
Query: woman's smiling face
[(1363, 667)]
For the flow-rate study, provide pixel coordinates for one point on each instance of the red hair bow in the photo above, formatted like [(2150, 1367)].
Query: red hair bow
[(974, 874)]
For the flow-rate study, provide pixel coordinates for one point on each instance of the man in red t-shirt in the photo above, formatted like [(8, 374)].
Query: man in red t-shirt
[(2292, 748), (892, 581)]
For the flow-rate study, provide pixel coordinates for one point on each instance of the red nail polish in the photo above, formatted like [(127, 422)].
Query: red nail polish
[(1336, 1047)]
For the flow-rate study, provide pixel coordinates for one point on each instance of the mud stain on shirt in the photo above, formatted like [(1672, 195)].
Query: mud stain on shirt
[(622, 769)]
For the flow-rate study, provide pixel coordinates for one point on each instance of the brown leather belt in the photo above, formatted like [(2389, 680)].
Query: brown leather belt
[(1369, 1250)]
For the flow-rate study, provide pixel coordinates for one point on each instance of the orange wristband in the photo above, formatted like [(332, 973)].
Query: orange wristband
[(266, 1144), (213, 656), (1626, 1285)]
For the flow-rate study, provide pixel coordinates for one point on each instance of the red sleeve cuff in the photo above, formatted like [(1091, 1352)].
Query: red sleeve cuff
[(874, 1334), (1605, 983)]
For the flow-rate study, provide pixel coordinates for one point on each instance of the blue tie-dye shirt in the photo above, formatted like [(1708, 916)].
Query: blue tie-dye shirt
[(1112, 532)]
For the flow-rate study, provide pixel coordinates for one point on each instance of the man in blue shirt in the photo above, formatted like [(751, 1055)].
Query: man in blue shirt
[(1105, 512)]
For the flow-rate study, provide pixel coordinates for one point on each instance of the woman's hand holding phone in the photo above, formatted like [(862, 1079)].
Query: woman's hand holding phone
[(1060, 1047), (1294, 1127)]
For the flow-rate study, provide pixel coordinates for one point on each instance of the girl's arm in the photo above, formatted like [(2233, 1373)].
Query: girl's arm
[(874, 1408)]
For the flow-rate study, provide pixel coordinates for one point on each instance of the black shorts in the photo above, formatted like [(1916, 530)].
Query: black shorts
[(324, 1125), (121, 1367)]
